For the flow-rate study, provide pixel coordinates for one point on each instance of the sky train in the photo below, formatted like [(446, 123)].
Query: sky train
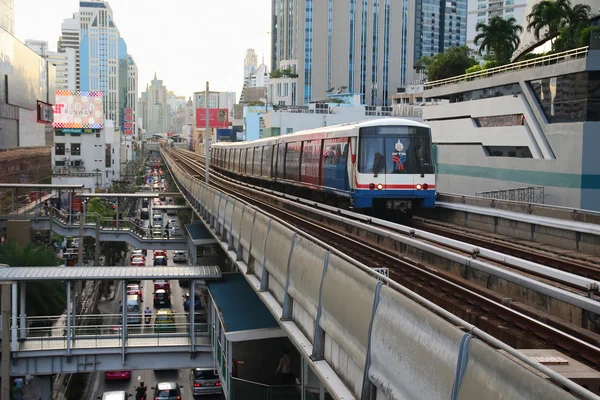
[(383, 164)]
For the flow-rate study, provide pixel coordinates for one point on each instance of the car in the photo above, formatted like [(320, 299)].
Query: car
[(136, 253), (172, 212), (167, 391), (117, 375), (114, 395), (157, 233), (160, 253), (205, 381), (144, 213), (175, 231), (173, 222), (138, 262), (162, 299), (164, 321), (179, 256), (162, 284), (160, 261), (135, 289)]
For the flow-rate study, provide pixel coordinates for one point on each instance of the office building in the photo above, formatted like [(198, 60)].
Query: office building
[(481, 11), (250, 63), (259, 78), (216, 100), (157, 112), (439, 25), (69, 39), (132, 93), (65, 63), (356, 46), (7, 16), (99, 54)]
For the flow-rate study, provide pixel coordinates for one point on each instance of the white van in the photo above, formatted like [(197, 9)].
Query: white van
[(116, 395), (157, 220)]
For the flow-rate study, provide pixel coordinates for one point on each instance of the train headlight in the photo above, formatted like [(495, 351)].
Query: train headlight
[(419, 187), (379, 186)]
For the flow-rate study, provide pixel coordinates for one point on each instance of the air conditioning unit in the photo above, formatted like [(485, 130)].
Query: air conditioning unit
[(77, 163)]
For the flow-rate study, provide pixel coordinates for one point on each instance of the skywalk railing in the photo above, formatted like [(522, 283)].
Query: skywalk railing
[(549, 59)]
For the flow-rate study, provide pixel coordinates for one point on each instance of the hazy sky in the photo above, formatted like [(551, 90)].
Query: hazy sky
[(186, 42)]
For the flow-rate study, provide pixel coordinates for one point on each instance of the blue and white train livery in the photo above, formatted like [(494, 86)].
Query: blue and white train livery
[(384, 164)]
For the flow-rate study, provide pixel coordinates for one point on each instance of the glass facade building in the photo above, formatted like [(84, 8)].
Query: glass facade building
[(345, 46), (439, 25)]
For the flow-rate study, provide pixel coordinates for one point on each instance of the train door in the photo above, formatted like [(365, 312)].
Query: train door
[(274, 161)]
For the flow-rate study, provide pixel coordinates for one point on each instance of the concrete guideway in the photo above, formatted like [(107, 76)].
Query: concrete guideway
[(360, 336)]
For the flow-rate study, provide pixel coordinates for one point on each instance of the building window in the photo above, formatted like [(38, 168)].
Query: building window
[(569, 98), (59, 163), (59, 132), (59, 149), (481, 14), (75, 149), (508, 151)]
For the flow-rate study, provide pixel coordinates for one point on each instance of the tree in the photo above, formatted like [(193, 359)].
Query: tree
[(452, 62), (500, 38), (548, 14), (422, 64), (570, 35), (42, 297)]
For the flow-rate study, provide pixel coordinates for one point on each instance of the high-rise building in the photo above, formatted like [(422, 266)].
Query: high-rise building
[(69, 39), (143, 110), (481, 11), (439, 25), (259, 77), (157, 107), (64, 62), (7, 16), (250, 63), (132, 92), (359, 46), (99, 54)]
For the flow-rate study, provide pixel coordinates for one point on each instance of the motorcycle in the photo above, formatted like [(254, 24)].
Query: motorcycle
[(147, 318)]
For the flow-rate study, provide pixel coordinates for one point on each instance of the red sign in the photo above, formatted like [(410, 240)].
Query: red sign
[(219, 117), (129, 111), (128, 124), (128, 131), (128, 117)]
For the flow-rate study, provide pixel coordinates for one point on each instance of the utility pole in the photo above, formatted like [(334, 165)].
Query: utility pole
[(207, 138)]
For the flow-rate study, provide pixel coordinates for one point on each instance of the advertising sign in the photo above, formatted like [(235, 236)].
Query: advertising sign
[(78, 109), (128, 111), (78, 130), (219, 117), (128, 132), (129, 117), (44, 112), (128, 125), (225, 135)]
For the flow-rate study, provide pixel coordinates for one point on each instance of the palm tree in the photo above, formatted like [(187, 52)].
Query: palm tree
[(500, 38), (552, 15)]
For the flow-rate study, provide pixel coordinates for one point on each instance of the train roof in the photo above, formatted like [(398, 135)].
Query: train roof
[(331, 129)]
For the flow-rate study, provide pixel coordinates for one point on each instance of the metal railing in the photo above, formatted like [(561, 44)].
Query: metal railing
[(242, 389), (580, 52), (105, 330), (530, 194)]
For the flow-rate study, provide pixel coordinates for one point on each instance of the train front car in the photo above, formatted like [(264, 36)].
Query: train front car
[(395, 170)]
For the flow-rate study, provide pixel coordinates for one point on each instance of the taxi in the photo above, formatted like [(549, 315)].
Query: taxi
[(164, 321), (138, 262), (160, 253)]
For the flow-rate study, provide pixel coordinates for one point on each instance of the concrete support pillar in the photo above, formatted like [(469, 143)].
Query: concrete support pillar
[(6, 341), (229, 353), (46, 383), (68, 317), (22, 311), (304, 378), (97, 245), (13, 314), (192, 312), (321, 391), (117, 217), (124, 319)]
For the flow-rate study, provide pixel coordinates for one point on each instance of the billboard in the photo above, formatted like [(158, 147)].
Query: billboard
[(78, 109), (219, 117), (225, 135)]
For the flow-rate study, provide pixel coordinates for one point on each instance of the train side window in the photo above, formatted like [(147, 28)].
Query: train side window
[(266, 161), (281, 161)]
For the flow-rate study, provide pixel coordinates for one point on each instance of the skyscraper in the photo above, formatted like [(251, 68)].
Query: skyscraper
[(132, 92), (157, 113), (481, 11), (250, 63), (440, 25), (99, 54), (362, 46), (69, 39)]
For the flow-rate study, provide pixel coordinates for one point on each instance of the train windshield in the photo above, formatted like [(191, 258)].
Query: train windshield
[(395, 150)]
